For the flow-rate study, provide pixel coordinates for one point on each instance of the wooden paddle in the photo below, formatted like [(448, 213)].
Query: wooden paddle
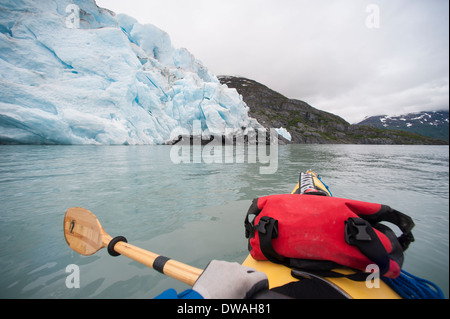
[(84, 234)]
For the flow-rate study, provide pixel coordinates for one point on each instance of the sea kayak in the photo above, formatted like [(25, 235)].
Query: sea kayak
[(280, 275)]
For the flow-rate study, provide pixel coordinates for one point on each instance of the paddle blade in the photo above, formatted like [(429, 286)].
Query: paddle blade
[(82, 231)]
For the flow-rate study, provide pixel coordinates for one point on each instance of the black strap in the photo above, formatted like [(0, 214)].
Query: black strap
[(402, 221), (112, 243), (310, 288), (267, 230), (253, 210), (359, 233), (358, 275), (323, 268)]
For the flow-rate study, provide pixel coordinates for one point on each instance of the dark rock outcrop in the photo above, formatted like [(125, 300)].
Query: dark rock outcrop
[(308, 125)]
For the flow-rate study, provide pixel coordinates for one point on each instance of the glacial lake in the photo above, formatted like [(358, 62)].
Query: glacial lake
[(192, 212)]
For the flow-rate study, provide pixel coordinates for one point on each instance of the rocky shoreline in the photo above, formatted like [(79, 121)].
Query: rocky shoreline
[(308, 125)]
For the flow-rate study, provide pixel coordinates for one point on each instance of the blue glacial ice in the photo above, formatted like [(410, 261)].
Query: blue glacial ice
[(74, 73), (284, 132)]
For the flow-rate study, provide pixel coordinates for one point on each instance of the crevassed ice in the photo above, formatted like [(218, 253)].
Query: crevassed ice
[(105, 80), (284, 132)]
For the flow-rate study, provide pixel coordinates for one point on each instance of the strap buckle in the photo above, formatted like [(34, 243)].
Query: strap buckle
[(356, 230), (264, 222)]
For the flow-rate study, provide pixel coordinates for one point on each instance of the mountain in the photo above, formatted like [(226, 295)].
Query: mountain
[(307, 124), (79, 74), (431, 123)]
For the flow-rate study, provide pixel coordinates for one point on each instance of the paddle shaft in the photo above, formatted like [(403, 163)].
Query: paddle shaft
[(171, 268), (85, 235)]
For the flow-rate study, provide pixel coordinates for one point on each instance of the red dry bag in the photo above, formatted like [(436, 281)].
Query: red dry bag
[(298, 230)]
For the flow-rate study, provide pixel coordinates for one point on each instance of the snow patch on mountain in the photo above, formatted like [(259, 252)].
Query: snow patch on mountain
[(429, 123)]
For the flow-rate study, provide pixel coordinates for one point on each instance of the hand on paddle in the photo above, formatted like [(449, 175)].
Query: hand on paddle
[(225, 280)]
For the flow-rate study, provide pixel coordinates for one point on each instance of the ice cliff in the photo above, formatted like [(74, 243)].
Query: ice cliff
[(74, 73)]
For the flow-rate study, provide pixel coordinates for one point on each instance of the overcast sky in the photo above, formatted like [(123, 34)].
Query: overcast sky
[(354, 58)]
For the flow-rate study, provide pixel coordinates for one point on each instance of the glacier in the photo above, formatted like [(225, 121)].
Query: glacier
[(74, 73), (284, 133)]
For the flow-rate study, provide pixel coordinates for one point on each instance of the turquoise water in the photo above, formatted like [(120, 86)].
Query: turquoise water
[(191, 212)]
